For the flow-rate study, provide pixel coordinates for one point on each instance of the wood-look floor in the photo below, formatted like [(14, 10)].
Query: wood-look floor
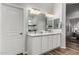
[(72, 48)]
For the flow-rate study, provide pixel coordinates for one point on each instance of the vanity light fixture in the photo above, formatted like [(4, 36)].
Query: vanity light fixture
[(34, 11), (49, 15)]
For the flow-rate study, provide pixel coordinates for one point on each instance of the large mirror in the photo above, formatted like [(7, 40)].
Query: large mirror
[(56, 23), (38, 21)]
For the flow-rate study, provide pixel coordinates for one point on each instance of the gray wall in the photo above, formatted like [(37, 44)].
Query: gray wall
[(72, 17), (72, 10)]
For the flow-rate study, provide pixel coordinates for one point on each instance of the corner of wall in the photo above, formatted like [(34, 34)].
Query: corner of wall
[(63, 18)]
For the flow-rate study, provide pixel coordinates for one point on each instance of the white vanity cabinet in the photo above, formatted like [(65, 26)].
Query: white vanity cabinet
[(39, 44), (34, 45)]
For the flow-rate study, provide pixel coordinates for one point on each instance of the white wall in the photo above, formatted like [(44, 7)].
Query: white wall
[(57, 10), (0, 28), (63, 18)]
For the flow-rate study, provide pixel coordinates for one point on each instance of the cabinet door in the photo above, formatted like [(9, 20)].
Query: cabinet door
[(56, 41), (28, 45), (44, 44), (50, 45), (36, 45)]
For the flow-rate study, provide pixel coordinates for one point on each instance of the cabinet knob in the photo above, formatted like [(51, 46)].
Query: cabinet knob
[(21, 33)]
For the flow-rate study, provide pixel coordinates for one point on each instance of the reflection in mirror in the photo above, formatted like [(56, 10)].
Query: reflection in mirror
[(60, 25), (50, 23), (56, 23)]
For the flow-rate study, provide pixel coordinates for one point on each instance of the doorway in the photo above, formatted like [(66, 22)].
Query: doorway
[(72, 26)]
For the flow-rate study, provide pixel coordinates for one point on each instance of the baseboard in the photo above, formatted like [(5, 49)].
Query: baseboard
[(63, 47), (8, 53), (24, 53)]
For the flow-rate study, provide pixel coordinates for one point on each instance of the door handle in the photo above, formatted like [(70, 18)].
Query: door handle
[(21, 33)]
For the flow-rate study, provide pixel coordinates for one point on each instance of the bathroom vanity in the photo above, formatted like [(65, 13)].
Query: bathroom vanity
[(44, 32), (40, 43)]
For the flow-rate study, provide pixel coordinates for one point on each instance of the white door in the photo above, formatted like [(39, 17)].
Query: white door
[(12, 29)]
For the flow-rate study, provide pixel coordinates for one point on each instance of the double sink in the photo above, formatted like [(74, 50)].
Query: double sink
[(56, 31)]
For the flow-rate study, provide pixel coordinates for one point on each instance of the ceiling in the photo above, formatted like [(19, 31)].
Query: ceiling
[(44, 7)]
